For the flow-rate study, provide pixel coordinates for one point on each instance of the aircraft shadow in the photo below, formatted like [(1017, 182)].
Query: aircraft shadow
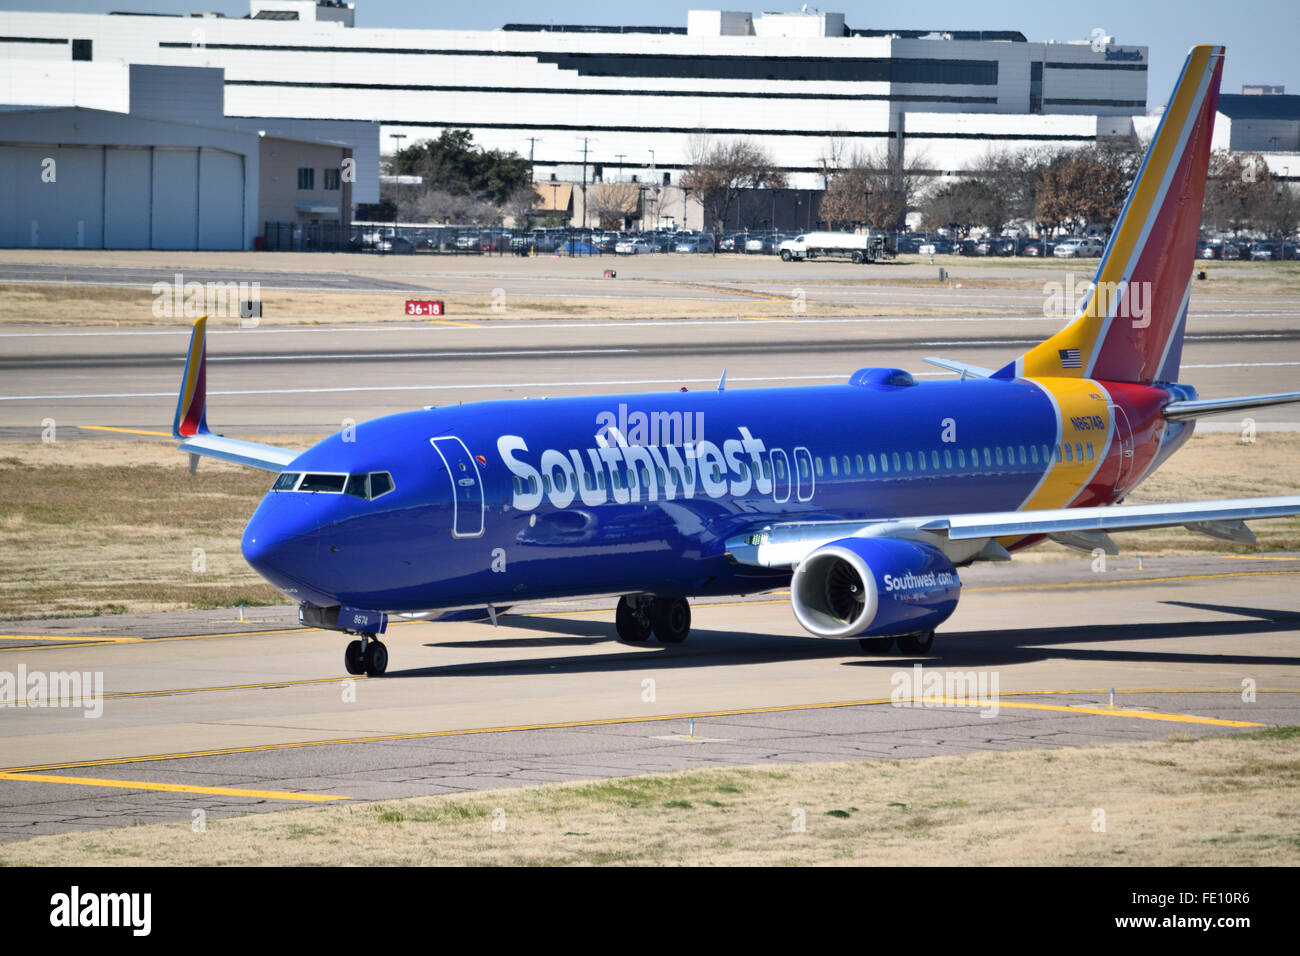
[(966, 649)]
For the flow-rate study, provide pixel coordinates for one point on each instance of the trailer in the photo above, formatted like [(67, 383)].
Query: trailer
[(856, 247)]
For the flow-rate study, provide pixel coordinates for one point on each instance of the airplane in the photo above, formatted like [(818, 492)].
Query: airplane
[(864, 498)]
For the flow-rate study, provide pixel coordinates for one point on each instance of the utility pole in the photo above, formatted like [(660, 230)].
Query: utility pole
[(620, 157), (532, 145), (585, 141)]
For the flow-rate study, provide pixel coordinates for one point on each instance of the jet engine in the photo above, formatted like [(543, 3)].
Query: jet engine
[(883, 587)]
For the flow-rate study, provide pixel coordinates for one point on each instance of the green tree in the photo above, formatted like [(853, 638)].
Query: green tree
[(458, 177)]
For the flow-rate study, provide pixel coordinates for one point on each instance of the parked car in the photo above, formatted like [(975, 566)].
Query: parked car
[(937, 246), (689, 244), (399, 244), (1040, 247), (634, 247), (760, 244), (1079, 247), (1264, 251)]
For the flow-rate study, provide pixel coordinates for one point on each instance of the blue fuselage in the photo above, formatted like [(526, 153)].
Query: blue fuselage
[(497, 502)]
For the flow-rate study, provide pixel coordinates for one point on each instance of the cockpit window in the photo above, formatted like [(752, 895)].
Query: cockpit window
[(357, 486), (328, 484), (381, 483), (365, 486), (286, 481)]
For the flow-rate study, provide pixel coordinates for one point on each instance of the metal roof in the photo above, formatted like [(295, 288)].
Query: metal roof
[(1250, 106)]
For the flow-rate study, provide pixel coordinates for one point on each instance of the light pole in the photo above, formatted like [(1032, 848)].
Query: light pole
[(397, 148), (620, 157)]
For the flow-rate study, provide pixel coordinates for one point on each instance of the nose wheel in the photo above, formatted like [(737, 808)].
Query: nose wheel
[(367, 656)]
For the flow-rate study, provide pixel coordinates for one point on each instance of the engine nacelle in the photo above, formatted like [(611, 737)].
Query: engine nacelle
[(860, 587)]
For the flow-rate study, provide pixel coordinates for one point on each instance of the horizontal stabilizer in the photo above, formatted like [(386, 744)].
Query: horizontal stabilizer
[(970, 371), (1180, 411)]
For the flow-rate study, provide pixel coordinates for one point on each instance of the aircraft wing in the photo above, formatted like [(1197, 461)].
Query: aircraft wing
[(266, 457), (191, 422), (966, 537)]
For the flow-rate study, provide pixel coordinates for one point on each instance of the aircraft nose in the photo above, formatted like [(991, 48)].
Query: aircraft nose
[(280, 544)]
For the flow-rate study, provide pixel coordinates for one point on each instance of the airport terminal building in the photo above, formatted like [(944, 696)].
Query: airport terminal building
[(632, 99)]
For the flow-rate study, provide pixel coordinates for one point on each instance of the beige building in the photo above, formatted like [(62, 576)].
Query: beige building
[(303, 182)]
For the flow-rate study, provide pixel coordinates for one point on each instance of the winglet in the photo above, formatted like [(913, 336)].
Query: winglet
[(722, 382), (191, 403)]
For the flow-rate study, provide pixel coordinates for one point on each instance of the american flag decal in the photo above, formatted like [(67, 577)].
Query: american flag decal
[(1070, 358)]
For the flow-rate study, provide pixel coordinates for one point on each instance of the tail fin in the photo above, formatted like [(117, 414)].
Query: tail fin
[(1130, 327), (191, 404)]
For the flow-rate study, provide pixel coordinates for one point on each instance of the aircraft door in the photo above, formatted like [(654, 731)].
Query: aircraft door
[(805, 480), (1124, 442), (780, 474), (466, 486)]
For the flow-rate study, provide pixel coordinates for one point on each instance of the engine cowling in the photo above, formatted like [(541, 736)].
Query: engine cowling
[(860, 587)]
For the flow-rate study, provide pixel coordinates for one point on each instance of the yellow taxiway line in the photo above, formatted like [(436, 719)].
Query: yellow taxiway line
[(171, 787), (606, 721)]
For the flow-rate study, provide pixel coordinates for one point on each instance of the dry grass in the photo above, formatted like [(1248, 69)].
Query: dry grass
[(115, 524), (122, 306), (1218, 801), (114, 529)]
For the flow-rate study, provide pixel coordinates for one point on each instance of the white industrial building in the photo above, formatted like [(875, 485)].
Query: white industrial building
[(635, 99), (128, 156)]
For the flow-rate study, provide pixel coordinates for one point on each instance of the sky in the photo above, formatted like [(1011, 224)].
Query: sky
[(1261, 35)]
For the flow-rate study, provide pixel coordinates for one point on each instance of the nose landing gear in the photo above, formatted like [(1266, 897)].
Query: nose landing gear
[(367, 656)]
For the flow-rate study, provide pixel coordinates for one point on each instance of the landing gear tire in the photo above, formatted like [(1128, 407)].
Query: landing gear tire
[(376, 659), (916, 643), (671, 619), (354, 658), (875, 645), (632, 619)]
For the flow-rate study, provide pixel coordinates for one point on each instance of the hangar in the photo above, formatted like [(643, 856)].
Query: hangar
[(94, 179)]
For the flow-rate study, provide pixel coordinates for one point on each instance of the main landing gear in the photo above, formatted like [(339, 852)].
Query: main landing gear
[(639, 616), (367, 656), (907, 644)]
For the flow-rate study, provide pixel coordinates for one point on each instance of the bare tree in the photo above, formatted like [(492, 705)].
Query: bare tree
[(610, 203), (1085, 186), (720, 172), (1239, 192), (877, 189), (520, 205)]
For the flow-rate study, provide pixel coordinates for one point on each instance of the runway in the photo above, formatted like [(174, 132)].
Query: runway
[(306, 380), (202, 712)]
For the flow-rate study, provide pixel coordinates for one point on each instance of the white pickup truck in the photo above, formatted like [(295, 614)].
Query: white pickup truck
[(857, 247)]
